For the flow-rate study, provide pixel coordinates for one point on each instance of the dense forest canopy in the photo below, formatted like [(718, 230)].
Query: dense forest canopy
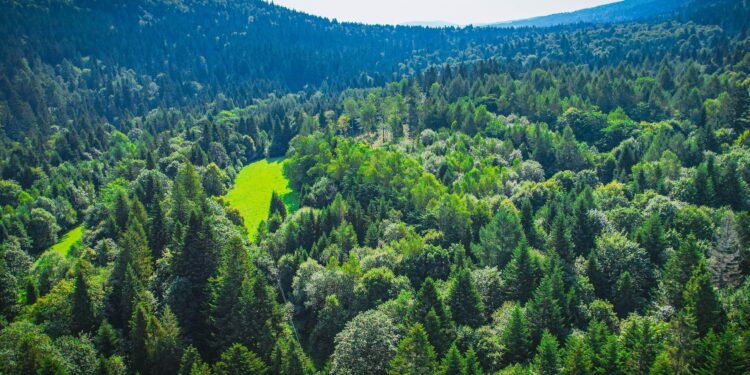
[(571, 199)]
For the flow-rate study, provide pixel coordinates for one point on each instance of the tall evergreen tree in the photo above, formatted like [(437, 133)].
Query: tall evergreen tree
[(702, 302), (516, 338), (464, 301), (415, 355), (724, 262), (547, 359), (83, 317), (453, 362)]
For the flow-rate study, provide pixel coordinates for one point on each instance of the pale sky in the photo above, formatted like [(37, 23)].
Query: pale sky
[(461, 12)]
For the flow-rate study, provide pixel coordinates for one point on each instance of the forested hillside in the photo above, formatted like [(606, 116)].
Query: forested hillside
[(568, 199)]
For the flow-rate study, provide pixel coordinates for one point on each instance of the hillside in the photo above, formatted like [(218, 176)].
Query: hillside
[(620, 11), (569, 199)]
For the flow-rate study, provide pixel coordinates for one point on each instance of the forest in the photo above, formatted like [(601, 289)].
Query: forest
[(569, 199)]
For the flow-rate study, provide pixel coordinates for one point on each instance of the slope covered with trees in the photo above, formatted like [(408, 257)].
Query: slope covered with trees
[(559, 200)]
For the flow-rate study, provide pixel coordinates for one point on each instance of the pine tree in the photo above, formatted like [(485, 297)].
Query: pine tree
[(158, 234), (651, 237), (464, 301), (415, 355), (583, 231), (702, 302), (139, 335), (547, 359), (577, 357), (83, 318), (679, 269), (288, 358), (191, 362), (453, 363), (500, 237), (724, 262), (472, 363), (277, 206), (544, 311), (164, 344), (521, 275), (560, 239), (528, 225), (516, 338), (238, 360)]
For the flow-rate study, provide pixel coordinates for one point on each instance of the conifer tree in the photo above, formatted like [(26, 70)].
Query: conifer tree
[(544, 311), (277, 206), (415, 355), (679, 269), (577, 359), (238, 360), (702, 302), (499, 237), (139, 335), (516, 338), (521, 275), (453, 362), (651, 237), (464, 301), (83, 317), (547, 359), (472, 363), (724, 262)]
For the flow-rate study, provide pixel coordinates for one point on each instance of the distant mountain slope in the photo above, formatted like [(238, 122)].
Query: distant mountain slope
[(622, 11)]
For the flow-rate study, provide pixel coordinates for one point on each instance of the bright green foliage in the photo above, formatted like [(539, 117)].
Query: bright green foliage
[(253, 188), (577, 358), (237, 360), (547, 359), (415, 355), (453, 362)]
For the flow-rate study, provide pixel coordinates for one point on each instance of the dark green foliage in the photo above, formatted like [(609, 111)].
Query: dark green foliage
[(470, 197), (516, 338), (464, 302), (84, 319), (453, 363)]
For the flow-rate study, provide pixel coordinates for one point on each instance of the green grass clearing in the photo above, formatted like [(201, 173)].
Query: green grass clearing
[(253, 187), (66, 242), (63, 245)]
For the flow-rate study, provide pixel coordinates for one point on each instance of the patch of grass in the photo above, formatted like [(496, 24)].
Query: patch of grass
[(253, 187), (66, 242), (63, 245)]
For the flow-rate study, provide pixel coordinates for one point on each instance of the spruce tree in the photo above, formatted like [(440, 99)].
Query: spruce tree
[(238, 360), (453, 363), (464, 301), (651, 237), (516, 338), (415, 355), (277, 206), (547, 359), (679, 269), (83, 317), (472, 363), (724, 262), (702, 302)]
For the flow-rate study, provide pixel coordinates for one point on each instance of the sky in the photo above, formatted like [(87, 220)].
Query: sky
[(462, 12)]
